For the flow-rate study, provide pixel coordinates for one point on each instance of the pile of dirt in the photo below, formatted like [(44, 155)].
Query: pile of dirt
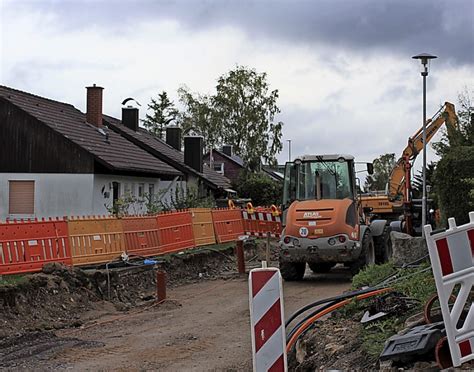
[(61, 296), (331, 344)]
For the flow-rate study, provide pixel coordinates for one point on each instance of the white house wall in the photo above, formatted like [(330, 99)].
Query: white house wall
[(56, 195), (103, 191)]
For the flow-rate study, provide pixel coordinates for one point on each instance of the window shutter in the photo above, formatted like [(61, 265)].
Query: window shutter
[(21, 197)]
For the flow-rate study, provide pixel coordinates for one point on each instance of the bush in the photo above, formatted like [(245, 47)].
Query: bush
[(455, 184), (260, 188)]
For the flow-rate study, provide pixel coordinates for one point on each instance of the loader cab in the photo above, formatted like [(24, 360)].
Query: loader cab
[(314, 177)]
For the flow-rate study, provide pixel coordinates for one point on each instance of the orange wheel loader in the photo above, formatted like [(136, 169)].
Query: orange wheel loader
[(324, 223)]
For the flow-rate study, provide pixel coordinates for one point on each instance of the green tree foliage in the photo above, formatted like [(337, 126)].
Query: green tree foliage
[(417, 184), (246, 108), (260, 188), (163, 113), (454, 175), (199, 117), (241, 113), (455, 183), (463, 135), (383, 166)]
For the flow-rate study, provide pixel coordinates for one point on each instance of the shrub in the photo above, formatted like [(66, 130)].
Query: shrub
[(455, 184), (263, 190)]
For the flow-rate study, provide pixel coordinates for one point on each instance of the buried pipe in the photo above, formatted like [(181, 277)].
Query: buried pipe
[(160, 285), (442, 354)]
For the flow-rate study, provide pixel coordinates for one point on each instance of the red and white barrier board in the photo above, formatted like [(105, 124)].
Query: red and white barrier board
[(452, 260), (267, 320), (261, 224)]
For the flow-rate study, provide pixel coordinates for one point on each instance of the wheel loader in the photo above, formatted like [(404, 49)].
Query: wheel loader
[(324, 223)]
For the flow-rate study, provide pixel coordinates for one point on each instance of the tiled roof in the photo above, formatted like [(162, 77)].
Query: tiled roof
[(167, 153), (113, 151)]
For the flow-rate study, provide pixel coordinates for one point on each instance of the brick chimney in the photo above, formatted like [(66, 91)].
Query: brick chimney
[(94, 105), (227, 149)]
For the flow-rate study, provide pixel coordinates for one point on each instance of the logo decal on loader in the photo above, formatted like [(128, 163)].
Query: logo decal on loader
[(311, 215), (304, 232)]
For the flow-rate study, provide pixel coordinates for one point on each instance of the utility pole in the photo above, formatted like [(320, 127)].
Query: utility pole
[(289, 149)]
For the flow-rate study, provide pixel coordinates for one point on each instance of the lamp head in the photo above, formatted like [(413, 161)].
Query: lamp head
[(425, 59)]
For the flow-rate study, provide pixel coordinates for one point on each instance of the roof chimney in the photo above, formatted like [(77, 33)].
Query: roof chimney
[(130, 117), (227, 149), (193, 152), (173, 137), (94, 105)]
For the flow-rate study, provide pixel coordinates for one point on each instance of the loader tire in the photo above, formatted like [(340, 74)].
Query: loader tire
[(383, 246), (367, 254), (292, 271), (320, 268)]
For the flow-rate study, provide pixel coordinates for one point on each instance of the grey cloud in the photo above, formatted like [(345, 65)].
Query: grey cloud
[(404, 27)]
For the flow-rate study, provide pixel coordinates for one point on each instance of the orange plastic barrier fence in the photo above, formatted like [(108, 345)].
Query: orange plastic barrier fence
[(228, 224), (141, 235), (27, 245), (203, 228), (261, 223), (95, 240), (175, 231)]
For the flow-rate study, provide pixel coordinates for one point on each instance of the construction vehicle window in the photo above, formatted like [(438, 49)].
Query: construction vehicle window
[(333, 178)]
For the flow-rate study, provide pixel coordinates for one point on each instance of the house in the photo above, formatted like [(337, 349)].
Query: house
[(230, 165), (56, 160), (189, 162)]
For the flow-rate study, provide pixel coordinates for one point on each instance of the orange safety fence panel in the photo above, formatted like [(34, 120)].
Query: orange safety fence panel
[(228, 224), (203, 228), (141, 235), (95, 240), (175, 231), (261, 223), (27, 245)]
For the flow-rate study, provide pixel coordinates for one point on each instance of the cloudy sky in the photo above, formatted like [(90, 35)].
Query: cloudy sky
[(343, 68)]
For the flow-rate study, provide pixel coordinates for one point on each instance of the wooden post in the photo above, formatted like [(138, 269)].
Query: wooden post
[(160, 285), (239, 250), (267, 250)]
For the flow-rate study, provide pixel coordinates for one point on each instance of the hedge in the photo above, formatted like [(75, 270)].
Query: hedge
[(455, 184)]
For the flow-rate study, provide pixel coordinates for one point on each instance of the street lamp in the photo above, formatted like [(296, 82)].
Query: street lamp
[(425, 62), (289, 149)]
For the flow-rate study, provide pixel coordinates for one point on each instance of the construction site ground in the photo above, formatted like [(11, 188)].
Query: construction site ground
[(203, 326)]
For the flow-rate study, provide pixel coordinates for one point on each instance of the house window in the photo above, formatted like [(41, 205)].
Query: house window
[(151, 191), (141, 190), (21, 197), (219, 168), (127, 189)]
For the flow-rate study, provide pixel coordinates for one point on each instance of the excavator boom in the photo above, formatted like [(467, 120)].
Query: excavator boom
[(445, 115)]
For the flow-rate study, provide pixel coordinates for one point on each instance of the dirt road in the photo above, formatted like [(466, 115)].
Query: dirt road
[(204, 327)]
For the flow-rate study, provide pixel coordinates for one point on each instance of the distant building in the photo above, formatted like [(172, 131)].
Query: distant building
[(230, 165)]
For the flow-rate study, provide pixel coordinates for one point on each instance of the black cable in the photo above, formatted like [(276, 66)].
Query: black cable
[(329, 299), (300, 323)]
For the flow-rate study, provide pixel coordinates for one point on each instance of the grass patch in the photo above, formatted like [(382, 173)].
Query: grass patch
[(417, 283)]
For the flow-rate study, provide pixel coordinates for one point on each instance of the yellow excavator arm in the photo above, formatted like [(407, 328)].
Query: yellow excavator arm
[(445, 115)]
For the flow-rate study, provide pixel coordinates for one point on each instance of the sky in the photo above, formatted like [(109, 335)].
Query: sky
[(343, 68)]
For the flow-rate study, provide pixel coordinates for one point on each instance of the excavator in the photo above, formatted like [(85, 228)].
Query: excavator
[(396, 204)]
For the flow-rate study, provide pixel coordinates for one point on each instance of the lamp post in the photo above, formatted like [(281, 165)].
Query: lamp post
[(425, 61), (289, 149)]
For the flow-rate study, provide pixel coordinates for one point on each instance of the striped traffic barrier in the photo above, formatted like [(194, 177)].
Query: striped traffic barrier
[(452, 259), (267, 320), (261, 224)]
